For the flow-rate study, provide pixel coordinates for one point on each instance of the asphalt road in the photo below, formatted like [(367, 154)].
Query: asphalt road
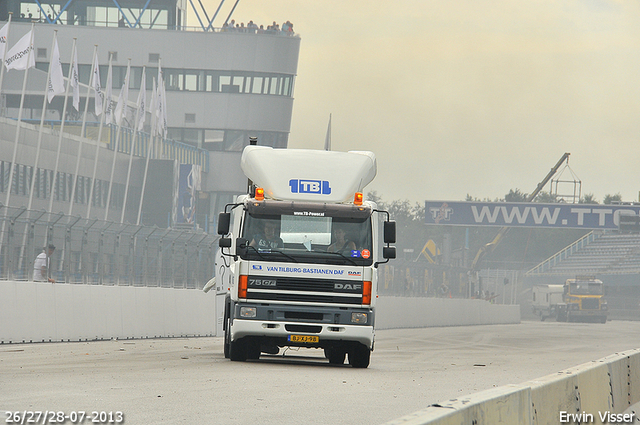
[(188, 381)]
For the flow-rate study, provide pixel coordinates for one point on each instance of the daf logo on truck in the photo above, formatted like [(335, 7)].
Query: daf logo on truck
[(347, 286), (320, 187)]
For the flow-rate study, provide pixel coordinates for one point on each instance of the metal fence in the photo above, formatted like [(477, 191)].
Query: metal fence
[(96, 252)]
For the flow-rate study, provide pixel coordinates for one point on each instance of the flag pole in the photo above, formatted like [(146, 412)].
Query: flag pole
[(106, 100), (18, 124), (64, 113), (44, 110), (115, 149), (149, 148), (327, 139), (6, 49), (133, 142), (74, 178)]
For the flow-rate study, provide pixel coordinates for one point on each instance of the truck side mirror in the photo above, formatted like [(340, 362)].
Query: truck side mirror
[(224, 220), (389, 232), (389, 252), (241, 246)]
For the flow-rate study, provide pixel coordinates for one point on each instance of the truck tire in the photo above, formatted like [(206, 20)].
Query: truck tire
[(238, 350), (227, 338), (603, 319), (359, 356), (227, 331)]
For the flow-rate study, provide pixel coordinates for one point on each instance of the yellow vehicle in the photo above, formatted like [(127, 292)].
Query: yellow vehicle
[(583, 300)]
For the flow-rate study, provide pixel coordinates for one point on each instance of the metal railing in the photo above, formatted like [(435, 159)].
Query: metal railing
[(547, 264), (96, 252), (138, 141)]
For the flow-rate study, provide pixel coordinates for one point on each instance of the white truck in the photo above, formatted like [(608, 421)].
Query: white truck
[(545, 300), (299, 255)]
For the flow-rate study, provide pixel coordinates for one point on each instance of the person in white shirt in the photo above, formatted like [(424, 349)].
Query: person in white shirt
[(41, 265)]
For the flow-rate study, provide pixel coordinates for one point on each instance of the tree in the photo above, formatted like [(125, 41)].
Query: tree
[(610, 199), (515, 196), (588, 198), (545, 198)]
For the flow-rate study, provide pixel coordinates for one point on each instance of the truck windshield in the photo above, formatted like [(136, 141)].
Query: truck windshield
[(586, 288), (308, 236)]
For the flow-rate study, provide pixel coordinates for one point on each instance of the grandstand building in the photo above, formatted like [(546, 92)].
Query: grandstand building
[(223, 86)]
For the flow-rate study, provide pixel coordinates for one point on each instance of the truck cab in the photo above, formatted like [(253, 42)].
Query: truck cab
[(299, 255), (583, 300)]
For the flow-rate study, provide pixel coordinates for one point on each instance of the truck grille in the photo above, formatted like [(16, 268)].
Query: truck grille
[(590, 303), (331, 291)]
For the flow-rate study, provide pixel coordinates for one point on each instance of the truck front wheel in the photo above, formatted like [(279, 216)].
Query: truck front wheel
[(227, 338), (359, 356)]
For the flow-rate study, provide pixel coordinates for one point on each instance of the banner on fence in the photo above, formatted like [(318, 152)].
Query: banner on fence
[(568, 216)]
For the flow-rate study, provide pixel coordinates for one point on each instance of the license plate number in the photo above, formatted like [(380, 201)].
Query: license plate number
[(303, 338)]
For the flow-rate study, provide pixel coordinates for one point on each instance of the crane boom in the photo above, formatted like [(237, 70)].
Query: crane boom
[(503, 230)]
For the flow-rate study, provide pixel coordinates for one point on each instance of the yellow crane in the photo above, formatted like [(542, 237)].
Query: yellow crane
[(503, 231)]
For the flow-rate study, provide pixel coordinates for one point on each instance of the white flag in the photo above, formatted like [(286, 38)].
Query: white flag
[(56, 77), (4, 32), (142, 101), (121, 107), (154, 107), (108, 114), (164, 110), (160, 109), (21, 54), (75, 81), (97, 89)]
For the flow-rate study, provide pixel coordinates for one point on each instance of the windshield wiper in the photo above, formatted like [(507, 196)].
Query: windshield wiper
[(269, 251)]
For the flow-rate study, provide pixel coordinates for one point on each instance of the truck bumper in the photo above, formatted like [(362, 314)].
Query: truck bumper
[(277, 331)]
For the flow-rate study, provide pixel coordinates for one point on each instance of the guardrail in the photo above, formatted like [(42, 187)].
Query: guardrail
[(602, 391)]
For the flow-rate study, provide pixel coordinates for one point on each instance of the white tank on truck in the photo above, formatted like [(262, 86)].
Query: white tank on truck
[(299, 255)]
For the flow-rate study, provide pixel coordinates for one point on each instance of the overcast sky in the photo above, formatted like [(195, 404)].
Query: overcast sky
[(468, 96)]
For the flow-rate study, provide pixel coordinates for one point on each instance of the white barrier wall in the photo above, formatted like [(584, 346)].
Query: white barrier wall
[(400, 312), (611, 384), (35, 312)]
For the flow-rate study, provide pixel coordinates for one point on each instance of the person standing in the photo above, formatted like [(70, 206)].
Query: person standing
[(41, 266)]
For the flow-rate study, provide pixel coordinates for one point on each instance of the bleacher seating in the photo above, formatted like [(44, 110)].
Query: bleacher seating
[(608, 253)]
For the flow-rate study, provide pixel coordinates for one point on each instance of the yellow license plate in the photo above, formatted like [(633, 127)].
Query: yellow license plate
[(303, 338)]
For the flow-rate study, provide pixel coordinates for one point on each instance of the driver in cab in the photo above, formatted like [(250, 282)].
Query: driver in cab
[(268, 238)]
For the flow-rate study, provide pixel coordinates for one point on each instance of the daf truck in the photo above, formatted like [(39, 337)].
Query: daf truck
[(299, 255), (578, 299)]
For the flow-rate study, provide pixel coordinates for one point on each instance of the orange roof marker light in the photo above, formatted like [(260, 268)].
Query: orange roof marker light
[(358, 198), (259, 194)]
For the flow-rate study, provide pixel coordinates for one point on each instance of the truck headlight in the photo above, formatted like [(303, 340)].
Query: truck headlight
[(248, 312), (358, 317)]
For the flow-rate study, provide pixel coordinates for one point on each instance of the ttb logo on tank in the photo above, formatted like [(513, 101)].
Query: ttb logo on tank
[(319, 187)]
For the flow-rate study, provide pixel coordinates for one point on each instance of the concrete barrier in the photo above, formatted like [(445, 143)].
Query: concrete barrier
[(36, 312), (417, 312), (590, 392)]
